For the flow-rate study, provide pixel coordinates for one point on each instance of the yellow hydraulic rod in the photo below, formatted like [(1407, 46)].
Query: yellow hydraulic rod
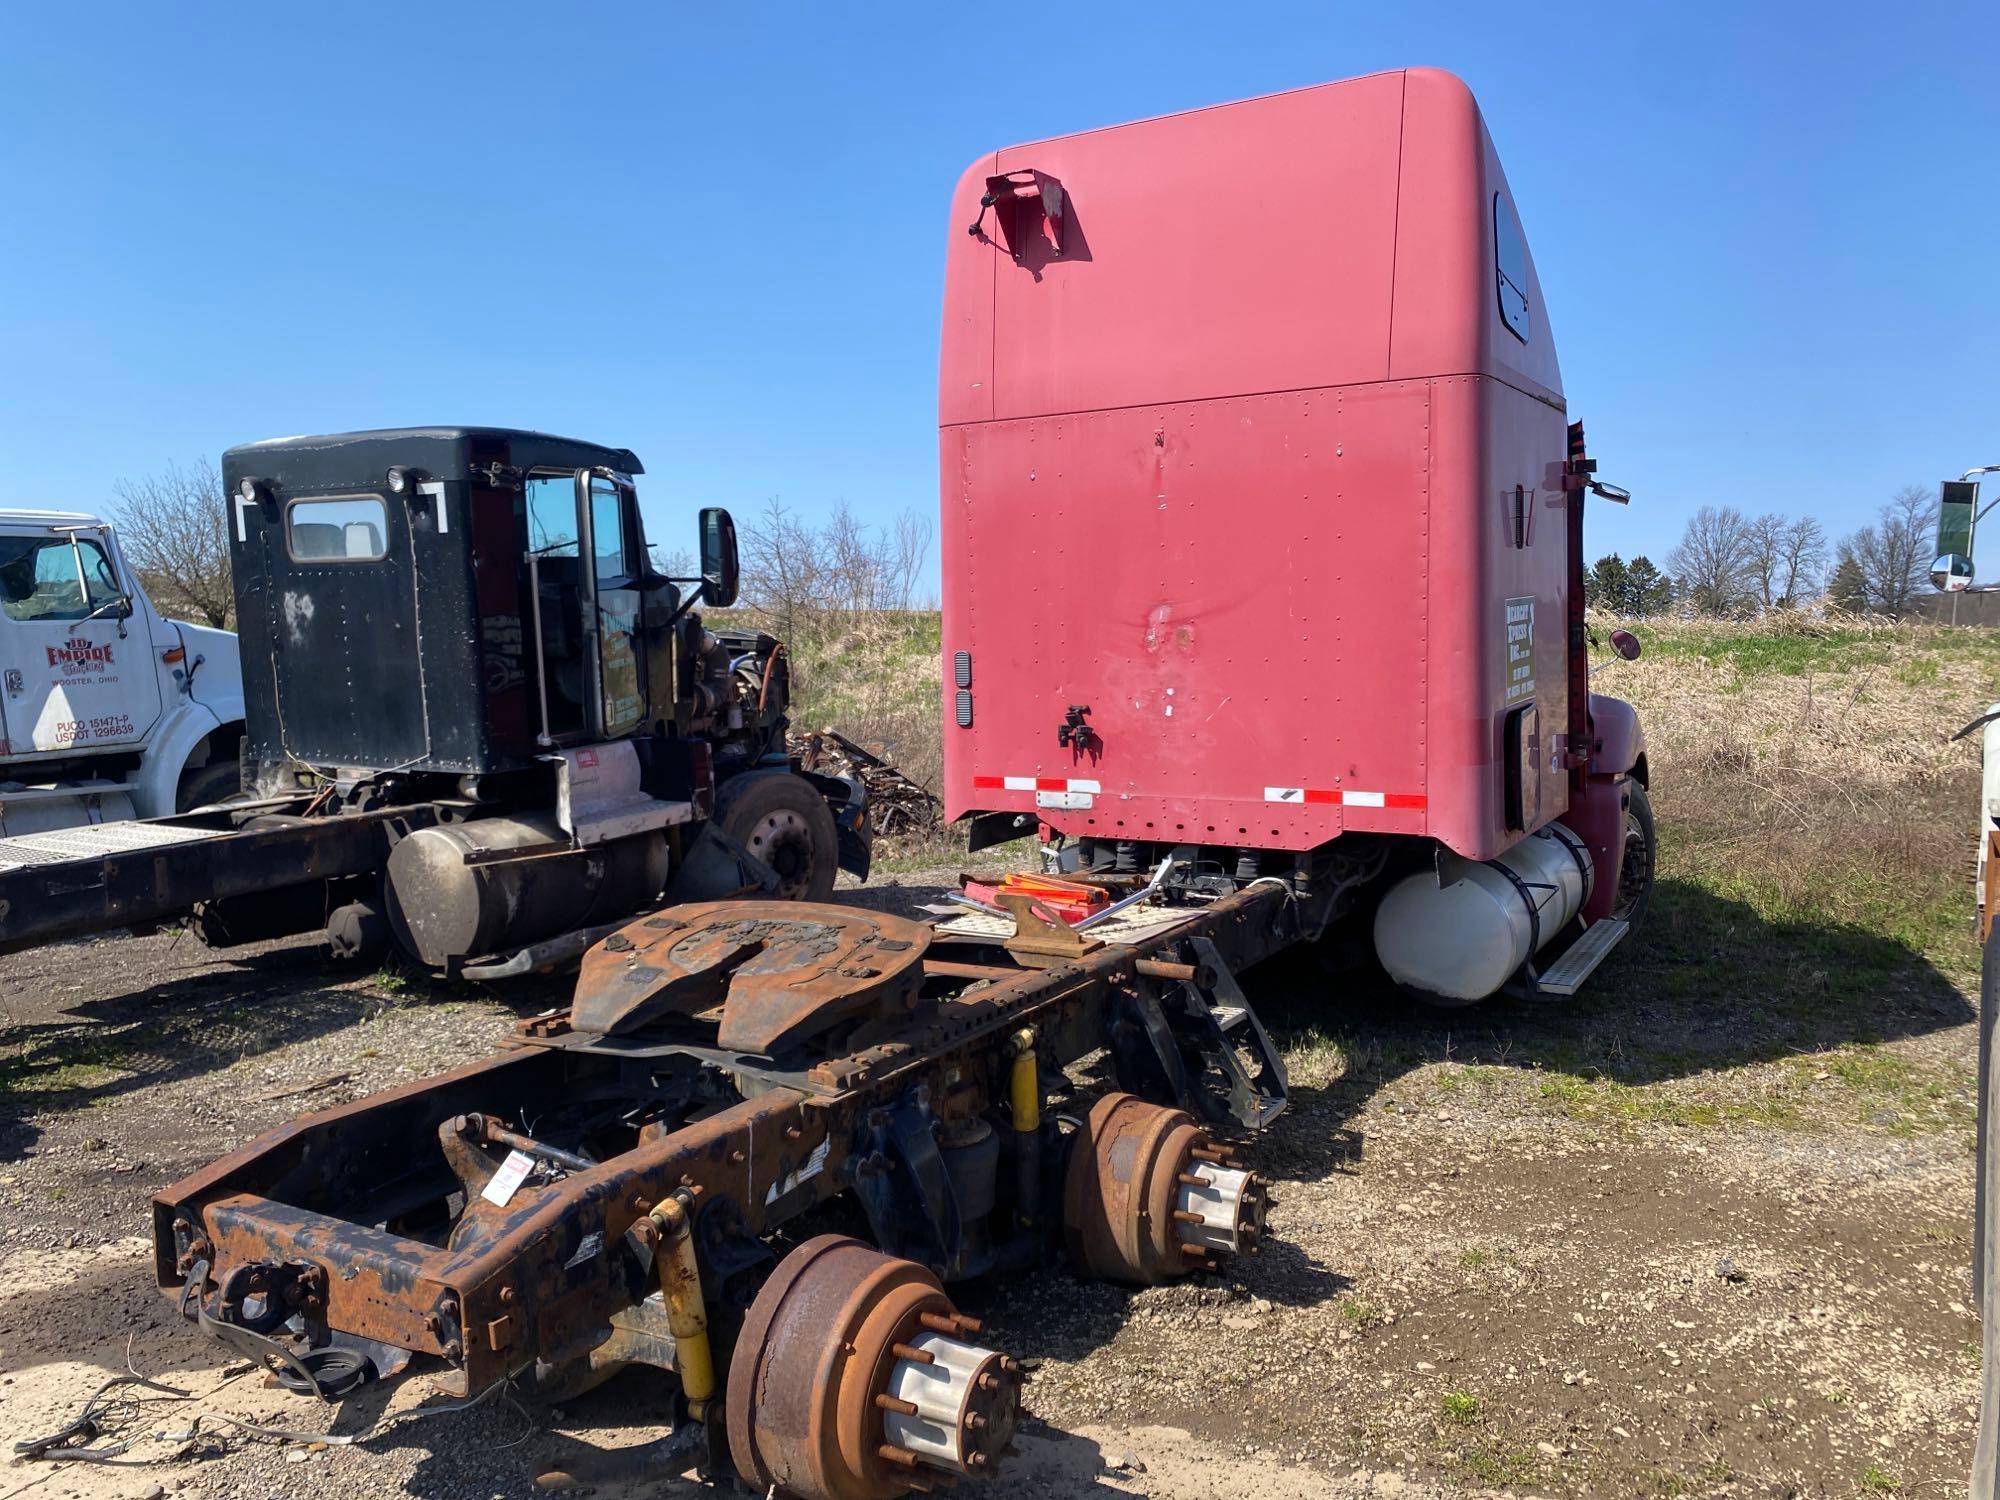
[(1025, 1096), (687, 1317)]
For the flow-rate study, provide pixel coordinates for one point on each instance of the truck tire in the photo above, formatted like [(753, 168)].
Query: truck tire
[(211, 783), (785, 822), (1641, 863)]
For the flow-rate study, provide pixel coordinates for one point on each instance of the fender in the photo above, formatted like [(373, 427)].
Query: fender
[(211, 701), (176, 735), (1617, 739), (1617, 752), (218, 680)]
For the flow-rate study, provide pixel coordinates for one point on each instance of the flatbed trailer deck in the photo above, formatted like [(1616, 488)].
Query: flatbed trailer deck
[(105, 876)]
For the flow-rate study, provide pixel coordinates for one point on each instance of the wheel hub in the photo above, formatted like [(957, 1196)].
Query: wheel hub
[(1148, 1197), (783, 841), (853, 1377)]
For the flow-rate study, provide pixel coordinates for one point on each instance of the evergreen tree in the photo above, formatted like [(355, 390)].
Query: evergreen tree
[(1607, 586), (1649, 591), (1847, 589)]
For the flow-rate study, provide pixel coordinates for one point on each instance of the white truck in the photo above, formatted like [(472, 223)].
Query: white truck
[(108, 710)]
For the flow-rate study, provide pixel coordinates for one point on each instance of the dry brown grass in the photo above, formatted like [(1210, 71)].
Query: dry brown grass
[(1810, 763)]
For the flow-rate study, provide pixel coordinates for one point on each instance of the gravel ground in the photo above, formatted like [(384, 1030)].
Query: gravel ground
[(1473, 1286)]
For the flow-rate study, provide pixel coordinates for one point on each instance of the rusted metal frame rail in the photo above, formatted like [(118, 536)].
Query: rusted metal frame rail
[(43, 903), (548, 1272)]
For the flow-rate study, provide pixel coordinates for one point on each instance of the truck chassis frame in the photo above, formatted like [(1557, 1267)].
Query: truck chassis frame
[(307, 1237)]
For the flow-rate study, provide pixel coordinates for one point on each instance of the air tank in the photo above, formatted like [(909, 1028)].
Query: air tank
[(1460, 933), (445, 911)]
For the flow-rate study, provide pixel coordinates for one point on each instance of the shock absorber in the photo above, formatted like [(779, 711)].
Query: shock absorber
[(1025, 1098)]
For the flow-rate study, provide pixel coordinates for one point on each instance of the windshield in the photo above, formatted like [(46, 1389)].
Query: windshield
[(39, 578)]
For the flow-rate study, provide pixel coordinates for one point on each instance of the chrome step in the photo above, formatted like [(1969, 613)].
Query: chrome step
[(1580, 960)]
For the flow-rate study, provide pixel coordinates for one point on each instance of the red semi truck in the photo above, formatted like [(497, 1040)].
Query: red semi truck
[(1262, 533), (1262, 530)]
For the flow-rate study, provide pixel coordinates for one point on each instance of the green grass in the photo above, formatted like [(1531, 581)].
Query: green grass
[(1491, 1464), (1461, 1407), (1598, 1098), (1806, 645), (68, 1064), (1876, 1480)]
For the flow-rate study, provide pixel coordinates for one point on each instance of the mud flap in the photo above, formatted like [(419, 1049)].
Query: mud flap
[(715, 868), (847, 799)]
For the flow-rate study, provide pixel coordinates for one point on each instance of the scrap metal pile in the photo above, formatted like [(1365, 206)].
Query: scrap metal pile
[(897, 805), (649, 1178)]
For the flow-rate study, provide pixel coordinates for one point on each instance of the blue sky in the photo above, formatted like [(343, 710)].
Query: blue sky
[(714, 234)]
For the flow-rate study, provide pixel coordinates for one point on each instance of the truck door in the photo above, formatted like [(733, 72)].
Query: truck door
[(603, 501), (76, 663), (587, 617), (341, 595)]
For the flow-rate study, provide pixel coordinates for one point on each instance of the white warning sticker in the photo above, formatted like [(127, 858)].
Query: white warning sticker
[(505, 1183), (813, 1166)]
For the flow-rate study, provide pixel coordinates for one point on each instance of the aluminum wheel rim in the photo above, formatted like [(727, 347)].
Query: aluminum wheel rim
[(784, 841), (1635, 870)]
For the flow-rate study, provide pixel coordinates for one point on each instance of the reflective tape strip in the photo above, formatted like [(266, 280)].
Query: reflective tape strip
[(1330, 797), (433, 489), (1036, 784)]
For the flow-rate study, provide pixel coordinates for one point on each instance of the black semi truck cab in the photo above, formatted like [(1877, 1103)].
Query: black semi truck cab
[(455, 599), (458, 636)]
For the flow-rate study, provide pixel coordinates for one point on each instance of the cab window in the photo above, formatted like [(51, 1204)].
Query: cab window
[(551, 513), (607, 531), (618, 605), (342, 528), (39, 578), (1510, 259)]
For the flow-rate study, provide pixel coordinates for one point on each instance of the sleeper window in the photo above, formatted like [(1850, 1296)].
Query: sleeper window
[(1510, 274), (345, 528)]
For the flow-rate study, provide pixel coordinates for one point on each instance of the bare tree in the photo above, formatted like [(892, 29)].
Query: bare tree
[(174, 528), (1804, 552), (679, 563), (1714, 563), (1892, 556), (795, 572), (1765, 537)]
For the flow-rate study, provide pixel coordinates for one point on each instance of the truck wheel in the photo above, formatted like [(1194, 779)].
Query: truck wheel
[(210, 784), (1635, 874), (785, 822)]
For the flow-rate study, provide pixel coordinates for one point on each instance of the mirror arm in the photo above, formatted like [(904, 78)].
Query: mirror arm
[(695, 596)]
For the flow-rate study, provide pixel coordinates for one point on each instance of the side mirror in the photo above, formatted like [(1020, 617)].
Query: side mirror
[(718, 557), (1625, 644), (1952, 573)]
